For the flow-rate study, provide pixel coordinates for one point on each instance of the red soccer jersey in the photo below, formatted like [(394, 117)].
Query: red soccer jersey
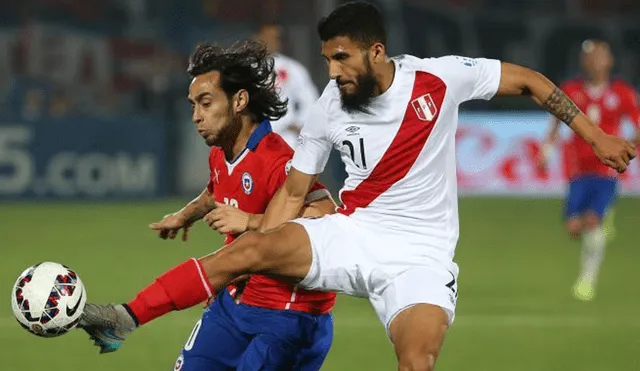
[(606, 108), (249, 183)]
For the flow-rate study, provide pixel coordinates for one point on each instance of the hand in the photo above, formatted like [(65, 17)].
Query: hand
[(613, 151), (542, 160), (170, 225), (227, 219)]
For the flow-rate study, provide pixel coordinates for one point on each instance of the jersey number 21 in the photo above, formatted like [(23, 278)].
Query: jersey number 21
[(356, 151)]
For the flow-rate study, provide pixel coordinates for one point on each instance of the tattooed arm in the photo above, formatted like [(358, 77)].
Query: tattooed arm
[(517, 80)]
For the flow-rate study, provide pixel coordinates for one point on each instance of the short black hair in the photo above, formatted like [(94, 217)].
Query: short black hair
[(358, 20), (244, 65)]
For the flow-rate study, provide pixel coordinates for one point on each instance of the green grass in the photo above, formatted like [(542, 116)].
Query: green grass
[(515, 310)]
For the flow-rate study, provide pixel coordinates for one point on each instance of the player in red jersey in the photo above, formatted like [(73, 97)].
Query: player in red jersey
[(393, 240), (246, 186), (271, 324), (592, 185)]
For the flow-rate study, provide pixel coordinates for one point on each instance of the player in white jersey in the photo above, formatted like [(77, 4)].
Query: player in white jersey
[(293, 83), (393, 239)]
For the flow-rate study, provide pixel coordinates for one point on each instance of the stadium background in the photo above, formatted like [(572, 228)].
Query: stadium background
[(96, 142)]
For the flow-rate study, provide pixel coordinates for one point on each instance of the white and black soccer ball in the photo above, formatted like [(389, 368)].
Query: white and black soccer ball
[(48, 299)]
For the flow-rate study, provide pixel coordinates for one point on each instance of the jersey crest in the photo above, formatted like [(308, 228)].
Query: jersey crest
[(425, 107), (247, 183)]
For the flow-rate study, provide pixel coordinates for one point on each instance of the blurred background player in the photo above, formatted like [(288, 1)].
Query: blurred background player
[(592, 185), (270, 325), (292, 81)]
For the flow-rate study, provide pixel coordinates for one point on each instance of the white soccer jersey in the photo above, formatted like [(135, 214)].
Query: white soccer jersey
[(293, 82), (400, 158)]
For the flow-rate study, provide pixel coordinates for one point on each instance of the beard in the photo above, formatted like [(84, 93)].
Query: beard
[(228, 134), (360, 99)]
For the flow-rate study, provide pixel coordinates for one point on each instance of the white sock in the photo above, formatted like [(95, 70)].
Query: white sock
[(593, 247)]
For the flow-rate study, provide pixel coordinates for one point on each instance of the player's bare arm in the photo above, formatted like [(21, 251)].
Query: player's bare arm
[(548, 143), (517, 80), (195, 210), (287, 203), (229, 219), (319, 208)]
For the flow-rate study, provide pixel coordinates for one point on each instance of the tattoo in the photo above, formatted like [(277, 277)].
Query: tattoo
[(561, 106)]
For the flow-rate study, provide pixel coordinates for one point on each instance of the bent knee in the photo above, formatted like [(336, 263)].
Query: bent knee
[(574, 227), (424, 360), (591, 221)]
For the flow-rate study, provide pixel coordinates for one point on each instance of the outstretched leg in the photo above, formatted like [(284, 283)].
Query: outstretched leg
[(284, 252)]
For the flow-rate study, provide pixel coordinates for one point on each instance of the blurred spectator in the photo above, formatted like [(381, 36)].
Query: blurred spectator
[(117, 57), (610, 7), (27, 99), (243, 10), (108, 101), (61, 104), (33, 105)]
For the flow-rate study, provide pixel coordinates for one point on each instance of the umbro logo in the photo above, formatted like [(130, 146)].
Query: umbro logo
[(352, 130)]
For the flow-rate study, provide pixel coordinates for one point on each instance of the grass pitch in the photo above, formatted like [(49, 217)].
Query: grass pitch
[(515, 310)]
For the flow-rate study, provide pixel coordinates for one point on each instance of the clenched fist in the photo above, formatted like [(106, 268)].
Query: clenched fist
[(614, 151)]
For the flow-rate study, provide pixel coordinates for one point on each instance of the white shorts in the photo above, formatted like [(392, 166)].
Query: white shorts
[(362, 262)]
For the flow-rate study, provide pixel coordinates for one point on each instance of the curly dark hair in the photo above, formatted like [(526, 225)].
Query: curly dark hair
[(358, 20), (244, 65)]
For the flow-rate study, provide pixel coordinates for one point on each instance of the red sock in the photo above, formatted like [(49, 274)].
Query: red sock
[(180, 288)]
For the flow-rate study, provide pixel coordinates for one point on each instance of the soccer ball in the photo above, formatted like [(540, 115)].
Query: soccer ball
[(48, 299)]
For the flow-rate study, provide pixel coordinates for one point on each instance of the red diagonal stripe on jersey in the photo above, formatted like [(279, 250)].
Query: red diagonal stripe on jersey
[(404, 149)]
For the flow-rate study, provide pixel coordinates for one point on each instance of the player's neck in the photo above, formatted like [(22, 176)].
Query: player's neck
[(597, 81), (235, 148), (385, 76)]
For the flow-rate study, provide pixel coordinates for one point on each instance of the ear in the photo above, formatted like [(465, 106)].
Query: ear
[(378, 53), (240, 101)]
